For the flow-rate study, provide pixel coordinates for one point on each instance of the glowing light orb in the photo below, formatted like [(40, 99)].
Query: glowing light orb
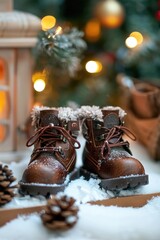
[(93, 30), (138, 36), (48, 22), (39, 85), (93, 66), (131, 42)]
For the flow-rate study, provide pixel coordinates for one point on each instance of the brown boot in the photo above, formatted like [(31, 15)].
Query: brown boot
[(53, 159), (106, 155)]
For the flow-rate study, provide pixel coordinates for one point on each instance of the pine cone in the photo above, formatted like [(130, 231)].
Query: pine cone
[(6, 190), (61, 213)]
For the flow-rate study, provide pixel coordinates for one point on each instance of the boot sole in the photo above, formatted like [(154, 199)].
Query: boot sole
[(117, 184), (34, 189)]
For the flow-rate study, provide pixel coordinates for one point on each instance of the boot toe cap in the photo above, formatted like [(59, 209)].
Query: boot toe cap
[(44, 171), (122, 167)]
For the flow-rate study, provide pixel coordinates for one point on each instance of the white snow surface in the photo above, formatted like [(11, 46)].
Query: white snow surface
[(95, 222)]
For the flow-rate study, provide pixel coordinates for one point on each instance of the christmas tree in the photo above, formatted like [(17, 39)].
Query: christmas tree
[(110, 30)]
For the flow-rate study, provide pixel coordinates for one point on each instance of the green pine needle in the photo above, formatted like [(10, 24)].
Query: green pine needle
[(66, 48)]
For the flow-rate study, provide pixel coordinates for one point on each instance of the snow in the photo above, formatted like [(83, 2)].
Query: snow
[(95, 222)]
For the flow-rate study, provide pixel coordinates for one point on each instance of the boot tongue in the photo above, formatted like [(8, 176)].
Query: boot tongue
[(111, 118), (49, 116)]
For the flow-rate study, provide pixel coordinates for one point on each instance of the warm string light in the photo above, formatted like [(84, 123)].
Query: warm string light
[(58, 31), (138, 36), (134, 39), (93, 30), (39, 83), (37, 104), (48, 22), (93, 66), (131, 42)]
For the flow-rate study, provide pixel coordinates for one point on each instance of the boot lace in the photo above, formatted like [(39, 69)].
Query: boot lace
[(47, 138), (113, 138)]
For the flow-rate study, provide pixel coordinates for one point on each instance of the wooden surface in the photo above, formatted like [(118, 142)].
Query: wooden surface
[(7, 215), (129, 201)]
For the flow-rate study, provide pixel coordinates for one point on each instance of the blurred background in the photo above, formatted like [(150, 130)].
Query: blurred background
[(76, 52), (121, 37)]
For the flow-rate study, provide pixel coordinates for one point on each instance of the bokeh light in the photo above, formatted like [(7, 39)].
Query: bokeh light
[(93, 30), (93, 66), (48, 22), (138, 36), (39, 85), (131, 42)]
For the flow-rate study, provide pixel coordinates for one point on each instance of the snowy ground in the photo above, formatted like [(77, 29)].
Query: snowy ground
[(95, 222)]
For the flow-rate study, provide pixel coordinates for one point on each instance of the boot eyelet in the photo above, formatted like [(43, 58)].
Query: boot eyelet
[(62, 155), (63, 139), (99, 163), (99, 138), (98, 126)]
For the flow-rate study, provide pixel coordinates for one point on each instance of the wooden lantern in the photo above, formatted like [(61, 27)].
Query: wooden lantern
[(18, 31)]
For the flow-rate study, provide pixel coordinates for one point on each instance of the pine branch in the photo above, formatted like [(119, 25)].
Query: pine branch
[(149, 50), (64, 49)]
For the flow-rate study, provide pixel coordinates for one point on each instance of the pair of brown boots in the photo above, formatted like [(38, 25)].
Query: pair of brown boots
[(106, 154)]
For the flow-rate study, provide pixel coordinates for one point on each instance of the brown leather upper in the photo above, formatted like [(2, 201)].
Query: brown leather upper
[(105, 152), (54, 153)]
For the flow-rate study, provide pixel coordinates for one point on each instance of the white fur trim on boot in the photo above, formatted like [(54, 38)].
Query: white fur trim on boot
[(67, 114), (90, 112), (35, 114), (95, 112), (64, 113), (122, 113)]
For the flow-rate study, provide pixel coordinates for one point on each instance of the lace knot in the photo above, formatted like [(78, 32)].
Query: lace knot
[(113, 138)]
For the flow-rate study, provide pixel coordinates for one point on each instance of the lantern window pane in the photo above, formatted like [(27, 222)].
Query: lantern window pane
[(3, 79), (4, 101), (3, 132)]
